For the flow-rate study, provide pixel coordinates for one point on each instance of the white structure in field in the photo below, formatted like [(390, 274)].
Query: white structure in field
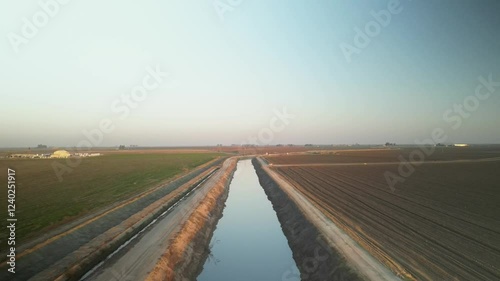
[(85, 154), (56, 154)]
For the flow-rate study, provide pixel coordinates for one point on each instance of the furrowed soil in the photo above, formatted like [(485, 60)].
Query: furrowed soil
[(314, 257), (385, 155), (442, 223)]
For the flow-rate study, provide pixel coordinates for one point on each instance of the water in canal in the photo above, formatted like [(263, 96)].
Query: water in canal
[(248, 244)]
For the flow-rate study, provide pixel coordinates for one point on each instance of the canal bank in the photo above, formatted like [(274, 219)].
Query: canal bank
[(184, 257), (315, 258)]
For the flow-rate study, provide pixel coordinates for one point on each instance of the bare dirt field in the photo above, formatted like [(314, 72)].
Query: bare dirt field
[(260, 150), (385, 155), (442, 223), (310, 231)]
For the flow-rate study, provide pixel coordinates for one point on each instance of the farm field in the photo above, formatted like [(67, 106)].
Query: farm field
[(282, 149), (385, 155), (442, 223), (43, 202), (261, 149)]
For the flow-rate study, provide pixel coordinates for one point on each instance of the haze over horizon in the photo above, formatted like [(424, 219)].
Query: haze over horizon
[(228, 78)]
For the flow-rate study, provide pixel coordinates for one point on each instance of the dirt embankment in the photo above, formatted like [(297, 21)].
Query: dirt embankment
[(315, 259), (184, 258)]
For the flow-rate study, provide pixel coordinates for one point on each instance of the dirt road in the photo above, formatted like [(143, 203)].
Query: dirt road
[(137, 259), (358, 258)]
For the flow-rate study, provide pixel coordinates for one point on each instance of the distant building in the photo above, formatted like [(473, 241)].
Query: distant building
[(461, 144), (86, 154), (22, 155), (60, 154), (29, 156)]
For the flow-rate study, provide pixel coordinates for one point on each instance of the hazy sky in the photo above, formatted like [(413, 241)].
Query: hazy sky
[(233, 65)]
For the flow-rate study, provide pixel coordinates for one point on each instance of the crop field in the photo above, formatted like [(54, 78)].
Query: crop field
[(442, 223), (43, 202), (261, 149), (385, 155)]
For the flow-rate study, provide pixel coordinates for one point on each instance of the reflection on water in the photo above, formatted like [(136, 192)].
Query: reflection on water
[(211, 257), (248, 244)]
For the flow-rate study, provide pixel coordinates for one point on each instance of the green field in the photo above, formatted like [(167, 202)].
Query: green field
[(43, 202)]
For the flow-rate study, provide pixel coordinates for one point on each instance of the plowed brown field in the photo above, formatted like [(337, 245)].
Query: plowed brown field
[(442, 223), (386, 155)]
